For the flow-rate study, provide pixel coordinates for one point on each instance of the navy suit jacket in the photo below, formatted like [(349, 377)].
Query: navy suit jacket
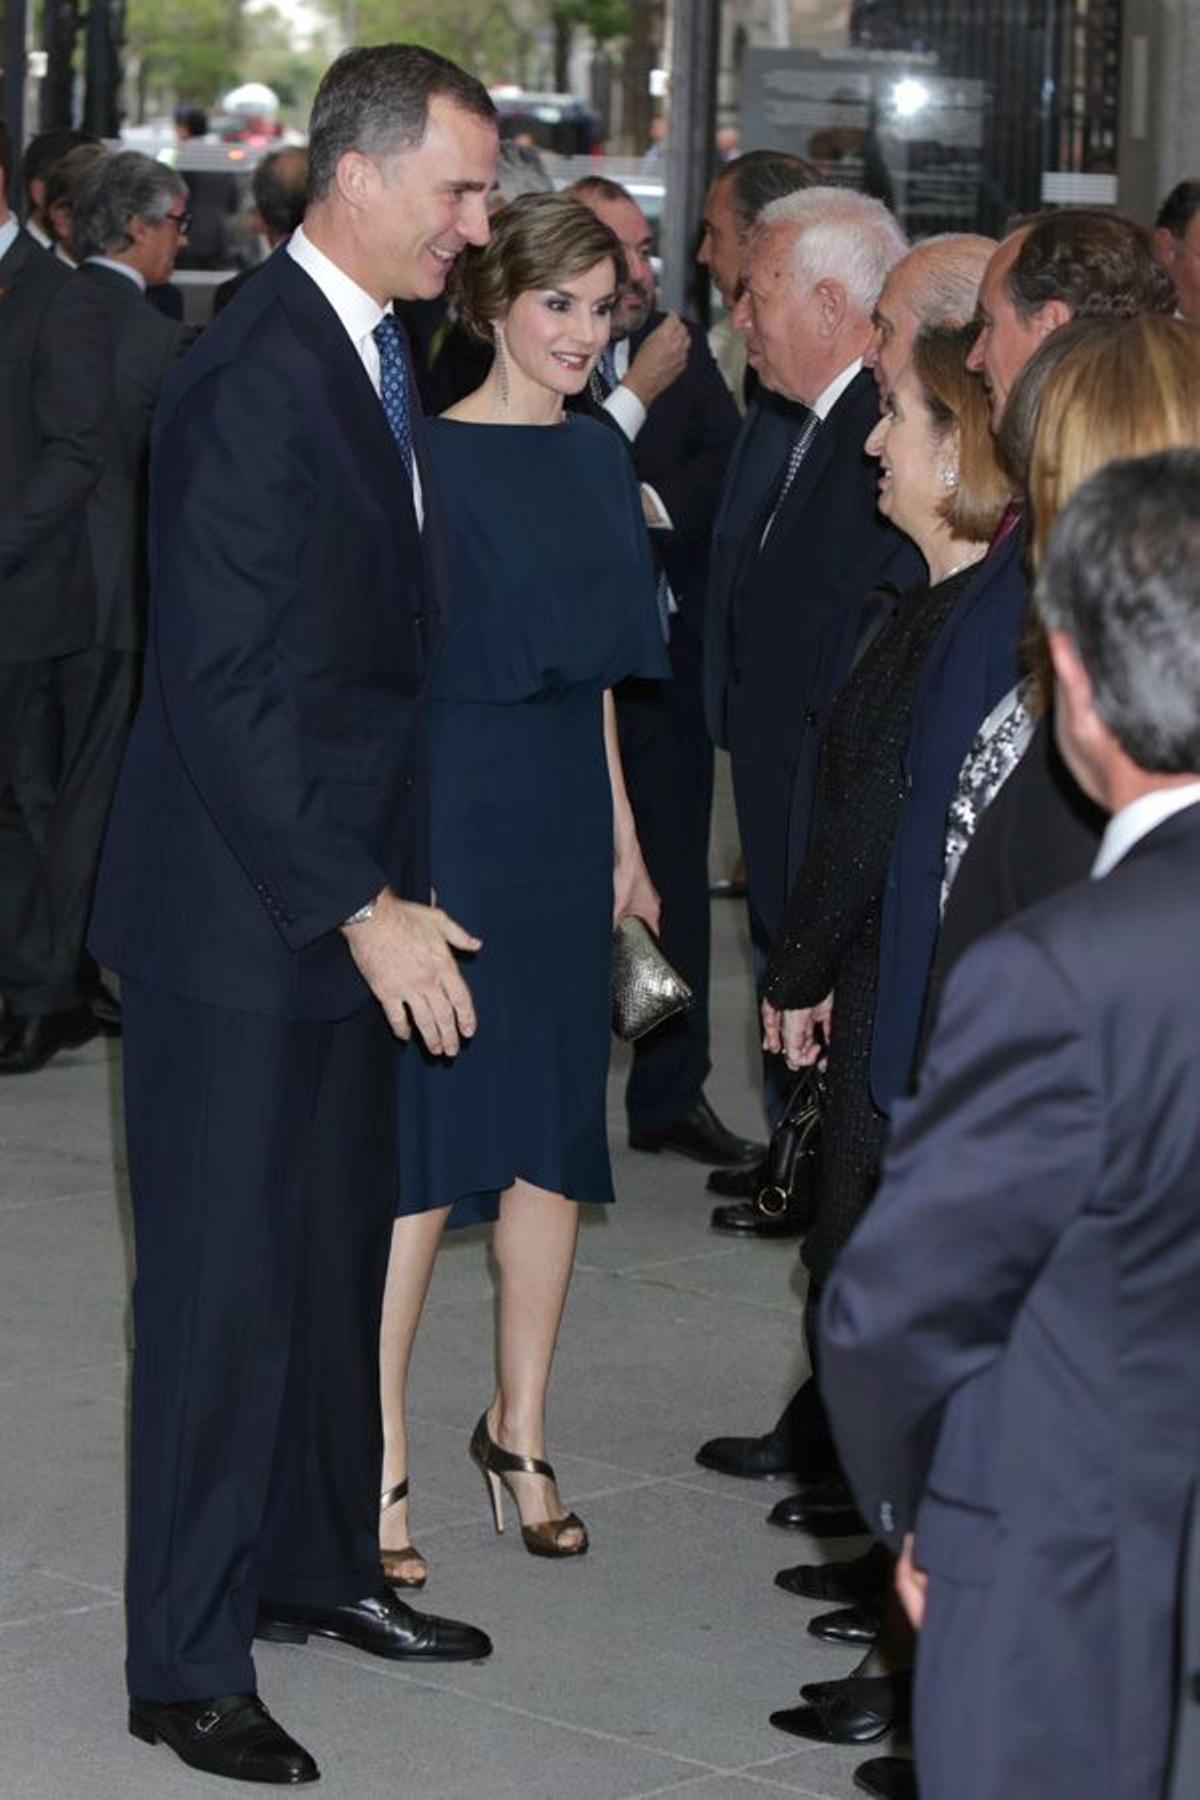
[(975, 661), (1011, 1340), (274, 777), (783, 619)]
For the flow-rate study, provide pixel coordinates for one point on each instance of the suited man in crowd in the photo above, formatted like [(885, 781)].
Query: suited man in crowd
[(796, 556), (1177, 246), (658, 386), (55, 362), (264, 896), (1025, 1400), (280, 186), (42, 154)]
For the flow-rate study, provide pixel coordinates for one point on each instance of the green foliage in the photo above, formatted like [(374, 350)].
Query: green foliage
[(605, 19), (489, 37), (188, 50)]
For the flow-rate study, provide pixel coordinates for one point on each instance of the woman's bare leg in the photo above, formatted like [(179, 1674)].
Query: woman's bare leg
[(415, 1239)]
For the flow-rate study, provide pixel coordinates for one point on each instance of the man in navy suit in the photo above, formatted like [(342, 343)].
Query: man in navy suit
[(1011, 1341), (263, 895)]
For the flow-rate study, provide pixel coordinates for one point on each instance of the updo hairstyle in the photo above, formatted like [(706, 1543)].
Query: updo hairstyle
[(538, 241)]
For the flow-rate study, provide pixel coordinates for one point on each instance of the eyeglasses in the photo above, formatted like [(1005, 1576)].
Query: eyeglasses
[(181, 221)]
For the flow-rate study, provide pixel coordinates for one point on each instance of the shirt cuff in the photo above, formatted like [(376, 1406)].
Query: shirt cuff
[(624, 406), (663, 522)]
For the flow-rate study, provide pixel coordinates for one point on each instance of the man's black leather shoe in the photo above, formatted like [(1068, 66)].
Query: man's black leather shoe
[(739, 1184), (233, 1735), (849, 1625), (859, 1710), (741, 1218), (753, 1458), (888, 1778), (858, 1581), (29, 1043), (700, 1134), (382, 1624), (823, 1511)]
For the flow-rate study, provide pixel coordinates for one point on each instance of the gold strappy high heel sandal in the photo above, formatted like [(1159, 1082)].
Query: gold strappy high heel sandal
[(398, 1565), (540, 1540)]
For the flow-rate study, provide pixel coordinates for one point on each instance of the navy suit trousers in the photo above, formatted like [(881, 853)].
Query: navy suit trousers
[(262, 1164)]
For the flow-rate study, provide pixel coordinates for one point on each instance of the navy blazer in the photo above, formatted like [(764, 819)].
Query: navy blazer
[(274, 777), (975, 661), (783, 618), (1011, 1340)]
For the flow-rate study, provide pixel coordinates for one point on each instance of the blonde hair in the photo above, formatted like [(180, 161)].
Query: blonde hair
[(1128, 390)]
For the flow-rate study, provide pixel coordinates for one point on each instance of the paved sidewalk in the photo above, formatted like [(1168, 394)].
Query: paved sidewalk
[(646, 1668)]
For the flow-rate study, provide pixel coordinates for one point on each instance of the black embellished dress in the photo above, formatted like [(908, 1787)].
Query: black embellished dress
[(830, 939)]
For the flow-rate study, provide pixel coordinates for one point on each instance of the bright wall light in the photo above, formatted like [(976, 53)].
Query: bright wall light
[(909, 96)]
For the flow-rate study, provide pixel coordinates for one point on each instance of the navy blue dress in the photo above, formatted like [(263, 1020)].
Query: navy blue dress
[(552, 601)]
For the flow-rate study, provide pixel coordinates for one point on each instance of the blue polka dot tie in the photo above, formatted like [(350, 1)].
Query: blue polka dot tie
[(393, 385)]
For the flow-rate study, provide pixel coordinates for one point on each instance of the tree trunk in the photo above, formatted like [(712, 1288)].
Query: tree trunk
[(56, 102), (642, 53), (564, 31)]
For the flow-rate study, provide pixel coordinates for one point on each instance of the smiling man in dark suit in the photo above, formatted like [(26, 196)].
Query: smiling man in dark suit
[(658, 385), (264, 896), (1011, 1341), (54, 438)]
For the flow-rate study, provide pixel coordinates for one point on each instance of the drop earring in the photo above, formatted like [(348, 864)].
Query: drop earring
[(949, 479), (502, 381)]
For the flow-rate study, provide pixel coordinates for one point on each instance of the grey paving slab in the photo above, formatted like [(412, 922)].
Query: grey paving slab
[(48, 1320)]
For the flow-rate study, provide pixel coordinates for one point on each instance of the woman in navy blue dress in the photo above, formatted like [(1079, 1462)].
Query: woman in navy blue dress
[(551, 601)]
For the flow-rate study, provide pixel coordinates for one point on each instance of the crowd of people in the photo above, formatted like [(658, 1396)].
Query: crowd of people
[(355, 731)]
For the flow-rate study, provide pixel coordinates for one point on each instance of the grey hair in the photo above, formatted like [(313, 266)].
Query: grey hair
[(118, 188), (947, 272), (844, 234), (520, 170), (375, 99), (1121, 579)]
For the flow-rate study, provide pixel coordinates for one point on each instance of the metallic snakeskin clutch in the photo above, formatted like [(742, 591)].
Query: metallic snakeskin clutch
[(646, 990)]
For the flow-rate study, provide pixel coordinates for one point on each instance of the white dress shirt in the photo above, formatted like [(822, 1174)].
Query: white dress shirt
[(624, 406), (8, 234), (38, 235), (1138, 819), (828, 398), (359, 314)]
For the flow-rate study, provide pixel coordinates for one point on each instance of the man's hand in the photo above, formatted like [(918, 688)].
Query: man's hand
[(911, 1585), (660, 360), (404, 955)]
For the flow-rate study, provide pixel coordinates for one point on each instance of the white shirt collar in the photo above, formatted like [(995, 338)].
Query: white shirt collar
[(110, 262), (358, 311), (38, 235), (8, 234), (828, 398), (1138, 820)]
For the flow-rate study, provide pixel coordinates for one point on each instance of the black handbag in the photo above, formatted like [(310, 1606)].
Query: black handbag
[(794, 1152)]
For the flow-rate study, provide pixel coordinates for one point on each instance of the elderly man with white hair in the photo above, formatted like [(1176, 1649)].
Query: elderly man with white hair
[(798, 545), (937, 283)]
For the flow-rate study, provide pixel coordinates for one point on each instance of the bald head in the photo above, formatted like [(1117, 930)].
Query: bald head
[(936, 283)]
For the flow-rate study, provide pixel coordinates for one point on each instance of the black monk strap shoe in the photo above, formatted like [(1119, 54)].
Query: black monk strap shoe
[(29, 1043), (887, 1778), (826, 1510), (233, 1735), (382, 1624), (861, 1580), (859, 1710), (742, 1183), (751, 1458), (849, 1625), (746, 1219), (699, 1133)]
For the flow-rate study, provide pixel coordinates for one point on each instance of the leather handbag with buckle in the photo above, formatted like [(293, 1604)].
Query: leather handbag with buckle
[(793, 1155)]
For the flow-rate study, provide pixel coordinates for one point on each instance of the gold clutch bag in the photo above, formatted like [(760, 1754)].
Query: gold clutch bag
[(646, 990)]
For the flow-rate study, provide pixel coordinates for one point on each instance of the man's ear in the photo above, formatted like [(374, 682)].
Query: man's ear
[(830, 298), (1084, 739), (356, 177), (1050, 316)]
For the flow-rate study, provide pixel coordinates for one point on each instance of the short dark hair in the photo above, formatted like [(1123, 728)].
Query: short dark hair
[(1121, 579), (375, 99), (760, 176), (1101, 264), (537, 241), (1179, 208), (47, 148), (192, 119), (127, 185), (598, 187), (280, 197)]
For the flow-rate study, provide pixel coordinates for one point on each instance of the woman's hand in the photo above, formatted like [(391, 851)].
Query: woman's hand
[(634, 894), (794, 1032)]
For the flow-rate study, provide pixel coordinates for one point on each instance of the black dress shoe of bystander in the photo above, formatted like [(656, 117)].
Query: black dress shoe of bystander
[(826, 1510), (29, 1043), (742, 1218), (858, 1579), (851, 1625), (741, 1183), (700, 1135), (859, 1710), (382, 1624), (232, 1735), (762, 1458), (888, 1778)]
